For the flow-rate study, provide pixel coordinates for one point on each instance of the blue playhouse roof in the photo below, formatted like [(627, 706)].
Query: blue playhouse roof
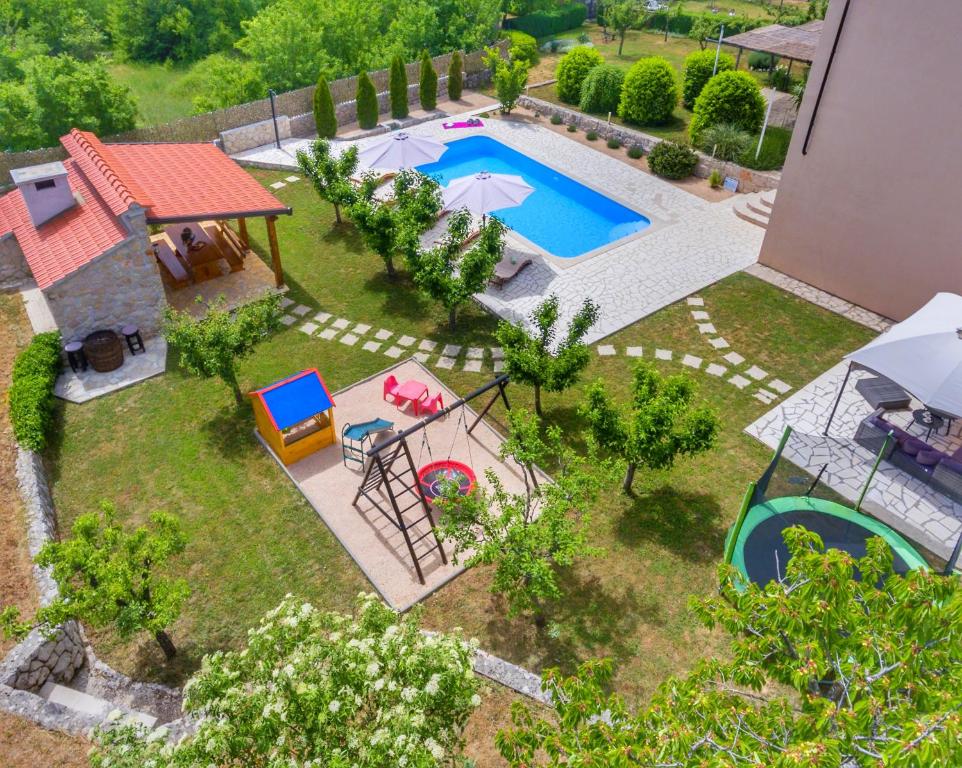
[(296, 398)]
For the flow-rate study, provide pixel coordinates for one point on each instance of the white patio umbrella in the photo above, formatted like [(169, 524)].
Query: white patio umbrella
[(922, 354), (485, 192), (401, 150)]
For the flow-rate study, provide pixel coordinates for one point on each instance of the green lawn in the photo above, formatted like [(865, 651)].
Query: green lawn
[(179, 444), (158, 90)]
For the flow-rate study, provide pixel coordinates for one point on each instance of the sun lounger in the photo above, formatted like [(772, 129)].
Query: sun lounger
[(505, 271), (473, 123)]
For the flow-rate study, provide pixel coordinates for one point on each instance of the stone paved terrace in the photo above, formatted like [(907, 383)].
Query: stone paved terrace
[(895, 497), (692, 243)]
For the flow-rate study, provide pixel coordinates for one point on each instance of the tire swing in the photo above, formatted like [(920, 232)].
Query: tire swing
[(435, 474)]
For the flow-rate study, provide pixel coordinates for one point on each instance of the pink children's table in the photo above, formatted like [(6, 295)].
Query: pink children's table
[(411, 390)]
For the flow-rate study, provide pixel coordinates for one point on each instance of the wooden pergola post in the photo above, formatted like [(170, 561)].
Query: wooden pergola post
[(242, 226), (275, 251)]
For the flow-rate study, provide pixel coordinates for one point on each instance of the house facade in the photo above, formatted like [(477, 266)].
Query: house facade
[(868, 207)]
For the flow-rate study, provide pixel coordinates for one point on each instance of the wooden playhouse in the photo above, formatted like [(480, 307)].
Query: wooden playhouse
[(295, 416)]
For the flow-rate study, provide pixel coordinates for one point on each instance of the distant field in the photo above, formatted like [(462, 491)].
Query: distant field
[(157, 89), (744, 7)]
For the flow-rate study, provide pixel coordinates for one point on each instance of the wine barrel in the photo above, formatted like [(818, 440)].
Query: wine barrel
[(104, 351)]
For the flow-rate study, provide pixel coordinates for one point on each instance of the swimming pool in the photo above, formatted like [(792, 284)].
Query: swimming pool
[(562, 216)]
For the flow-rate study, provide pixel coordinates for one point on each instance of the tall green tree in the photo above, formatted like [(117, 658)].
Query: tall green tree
[(528, 537), (109, 577), (398, 88), (452, 273), (661, 423), (532, 357), (329, 175), (510, 79), (428, 83), (873, 662), (212, 345), (367, 106), (325, 117), (625, 15), (455, 76), (222, 80), (19, 118)]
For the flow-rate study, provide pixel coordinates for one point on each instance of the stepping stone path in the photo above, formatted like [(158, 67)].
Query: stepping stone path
[(714, 369), (322, 317), (288, 320), (473, 365), (734, 358), (706, 328), (691, 361), (719, 343), (360, 329), (286, 302), (475, 353), (308, 328), (445, 362), (348, 338), (340, 323), (383, 335), (371, 346), (757, 373), (405, 341), (451, 350), (606, 350), (328, 333), (739, 381), (394, 352), (634, 351), (421, 357), (663, 354), (278, 185), (300, 310), (427, 345)]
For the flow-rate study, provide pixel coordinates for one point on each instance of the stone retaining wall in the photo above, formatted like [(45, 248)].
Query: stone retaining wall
[(749, 180), (13, 266), (254, 135)]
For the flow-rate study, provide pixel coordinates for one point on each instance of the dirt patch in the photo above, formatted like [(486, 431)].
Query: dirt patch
[(16, 579), (26, 745), (693, 185)]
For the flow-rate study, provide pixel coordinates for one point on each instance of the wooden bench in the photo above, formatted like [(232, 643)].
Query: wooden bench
[(171, 264)]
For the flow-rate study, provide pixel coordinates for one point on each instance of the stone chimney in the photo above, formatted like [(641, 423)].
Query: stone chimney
[(45, 190)]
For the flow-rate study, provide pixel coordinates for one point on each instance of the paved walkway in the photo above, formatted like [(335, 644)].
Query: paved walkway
[(692, 243)]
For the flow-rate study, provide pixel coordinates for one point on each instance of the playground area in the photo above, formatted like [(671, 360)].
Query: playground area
[(330, 483)]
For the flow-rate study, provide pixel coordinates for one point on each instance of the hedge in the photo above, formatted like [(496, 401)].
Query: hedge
[(699, 68), (522, 46), (572, 70), (550, 22), (35, 371), (729, 97), (650, 93), (601, 89)]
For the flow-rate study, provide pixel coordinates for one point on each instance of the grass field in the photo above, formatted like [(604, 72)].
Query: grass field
[(158, 90), (180, 444)]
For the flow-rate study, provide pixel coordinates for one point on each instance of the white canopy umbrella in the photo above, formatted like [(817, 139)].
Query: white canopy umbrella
[(922, 354), (485, 192), (401, 150)]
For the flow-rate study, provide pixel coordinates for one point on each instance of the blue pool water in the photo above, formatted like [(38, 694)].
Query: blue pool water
[(561, 216)]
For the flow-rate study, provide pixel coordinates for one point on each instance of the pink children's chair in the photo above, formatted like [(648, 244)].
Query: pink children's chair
[(390, 388), (431, 405)]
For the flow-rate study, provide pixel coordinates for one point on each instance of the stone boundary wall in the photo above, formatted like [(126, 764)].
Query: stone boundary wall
[(748, 180)]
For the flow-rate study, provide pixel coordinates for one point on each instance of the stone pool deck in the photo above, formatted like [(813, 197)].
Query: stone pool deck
[(692, 243), (895, 497)]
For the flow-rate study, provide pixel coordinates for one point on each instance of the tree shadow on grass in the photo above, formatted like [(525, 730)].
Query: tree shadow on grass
[(685, 523), (229, 430)]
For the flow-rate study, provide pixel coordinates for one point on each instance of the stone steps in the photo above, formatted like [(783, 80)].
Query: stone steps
[(750, 209), (91, 705), (767, 198)]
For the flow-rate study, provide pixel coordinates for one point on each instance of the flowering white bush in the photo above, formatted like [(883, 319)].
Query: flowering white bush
[(320, 689)]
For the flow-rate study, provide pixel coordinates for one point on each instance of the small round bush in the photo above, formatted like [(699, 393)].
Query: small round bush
[(725, 141), (591, 135), (636, 151), (572, 127), (601, 89), (780, 79), (729, 97), (572, 71), (556, 120), (672, 160), (522, 47), (715, 179), (650, 92), (761, 61), (614, 144), (698, 71)]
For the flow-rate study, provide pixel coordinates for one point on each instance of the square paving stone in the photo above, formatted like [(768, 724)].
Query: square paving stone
[(383, 335), (699, 314), (474, 366), (308, 328), (322, 317), (734, 358), (278, 185), (634, 351), (341, 323), (663, 354), (286, 302), (451, 350), (497, 353), (444, 362), (349, 338), (405, 341), (288, 320), (779, 386), (714, 369), (475, 353), (739, 381), (421, 357), (498, 366), (719, 343), (394, 352), (427, 345), (691, 361), (292, 179), (372, 346), (606, 350), (300, 310), (756, 373), (328, 333), (361, 328), (706, 328), (765, 396), (695, 301)]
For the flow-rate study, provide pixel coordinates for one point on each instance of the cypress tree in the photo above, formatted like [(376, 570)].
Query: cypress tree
[(428, 88), (324, 115), (367, 110), (455, 76), (399, 88)]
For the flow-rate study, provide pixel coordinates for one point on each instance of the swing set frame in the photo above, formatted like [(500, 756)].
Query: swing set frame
[(399, 485)]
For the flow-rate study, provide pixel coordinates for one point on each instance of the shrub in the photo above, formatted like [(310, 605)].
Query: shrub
[(774, 150), (324, 115), (455, 76), (367, 110), (636, 151), (699, 67), (591, 135), (759, 60), (523, 46), (572, 71), (725, 141), (572, 127), (672, 160), (729, 97), (780, 79), (650, 92), (550, 21), (601, 89), (556, 120), (428, 85), (614, 144), (510, 78), (715, 179), (31, 391), (398, 88)]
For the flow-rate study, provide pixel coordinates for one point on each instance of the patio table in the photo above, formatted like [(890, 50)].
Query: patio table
[(411, 390)]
